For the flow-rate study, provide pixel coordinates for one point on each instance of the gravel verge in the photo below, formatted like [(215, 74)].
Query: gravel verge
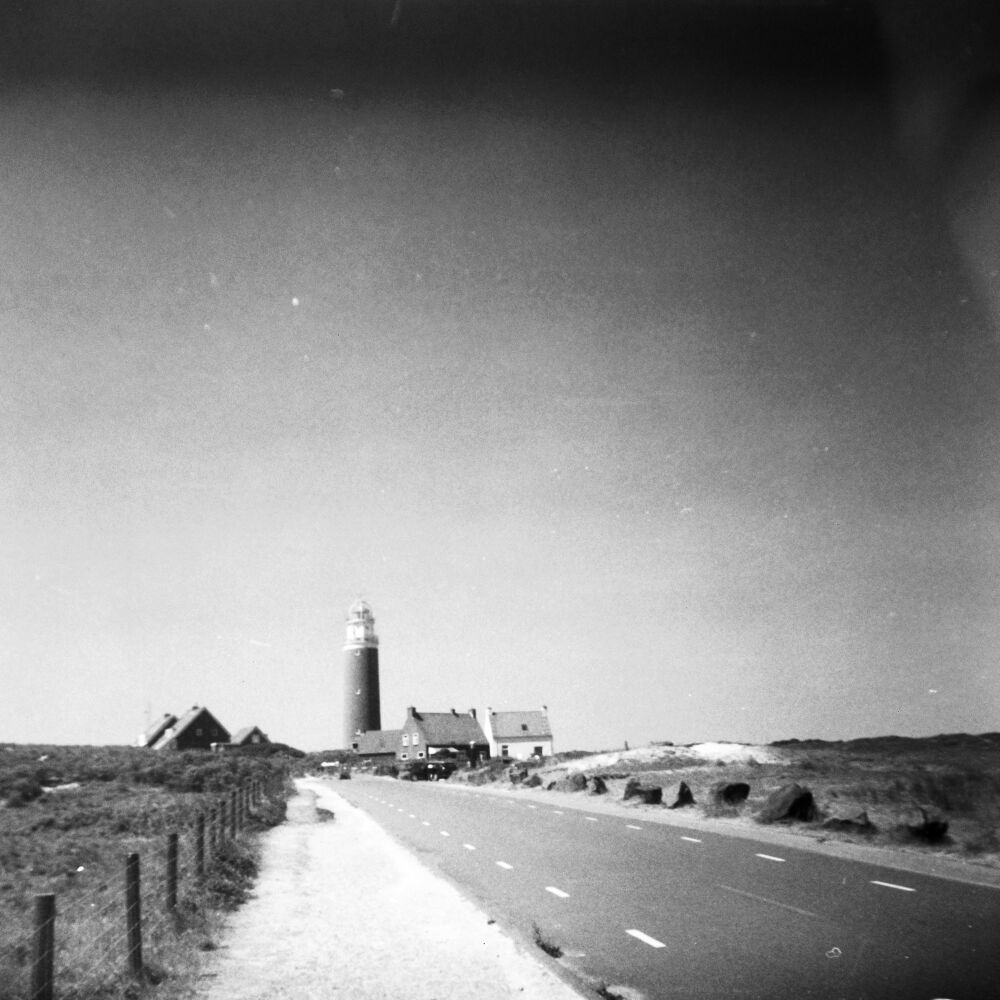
[(342, 910)]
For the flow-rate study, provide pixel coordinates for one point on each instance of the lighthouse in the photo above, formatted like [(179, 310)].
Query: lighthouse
[(361, 695)]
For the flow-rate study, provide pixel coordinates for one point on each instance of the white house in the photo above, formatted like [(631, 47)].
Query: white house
[(518, 735)]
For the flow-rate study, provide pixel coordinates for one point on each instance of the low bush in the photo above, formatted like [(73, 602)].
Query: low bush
[(72, 841)]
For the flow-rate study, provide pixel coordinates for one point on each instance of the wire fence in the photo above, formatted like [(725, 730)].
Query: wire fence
[(86, 944)]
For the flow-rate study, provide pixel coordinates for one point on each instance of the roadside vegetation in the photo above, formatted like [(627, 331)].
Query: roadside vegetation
[(69, 817), (939, 794)]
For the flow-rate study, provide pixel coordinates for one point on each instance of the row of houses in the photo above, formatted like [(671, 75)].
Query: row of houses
[(197, 729), (517, 735)]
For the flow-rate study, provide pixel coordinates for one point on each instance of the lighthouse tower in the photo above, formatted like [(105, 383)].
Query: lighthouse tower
[(361, 696)]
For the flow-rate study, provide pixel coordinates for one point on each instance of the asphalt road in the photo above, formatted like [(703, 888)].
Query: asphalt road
[(672, 912)]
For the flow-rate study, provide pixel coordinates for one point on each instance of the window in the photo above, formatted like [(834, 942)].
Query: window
[(537, 751), (406, 739), (524, 727), (420, 753), (416, 738), (404, 756), (504, 750)]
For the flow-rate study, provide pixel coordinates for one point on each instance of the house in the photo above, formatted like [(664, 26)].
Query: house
[(249, 736), (453, 734), (197, 729), (376, 745), (518, 735), (156, 730)]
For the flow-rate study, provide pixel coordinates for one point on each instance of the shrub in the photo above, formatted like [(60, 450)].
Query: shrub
[(230, 880), (22, 791)]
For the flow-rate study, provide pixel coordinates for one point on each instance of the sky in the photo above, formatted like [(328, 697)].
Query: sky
[(662, 397)]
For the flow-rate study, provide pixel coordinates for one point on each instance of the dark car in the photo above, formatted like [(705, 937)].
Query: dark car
[(428, 770)]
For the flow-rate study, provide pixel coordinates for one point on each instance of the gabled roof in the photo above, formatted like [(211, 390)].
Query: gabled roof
[(156, 730), (187, 720), (511, 725), (448, 729), (246, 732), (377, 741)]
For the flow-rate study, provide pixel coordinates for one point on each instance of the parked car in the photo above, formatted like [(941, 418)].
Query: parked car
[(428, 770)]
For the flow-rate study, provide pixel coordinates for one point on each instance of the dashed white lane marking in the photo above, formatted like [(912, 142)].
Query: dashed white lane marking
[(426, 822), (772, 902), (892, 885), (530, 806), (445, 833), (504, 865), (769, 857), (558, 812), (646, 939), (557, 892), (693, 840), (632, 826), (469, 847), (591, 819), (412, 816)]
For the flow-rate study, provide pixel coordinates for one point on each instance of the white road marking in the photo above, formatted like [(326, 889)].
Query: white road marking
[(646, 939), (412, 816), (530, 806), (694, 840), (891, 885), (769, 857), (469, 847), (445, 833), (426, 822), (592, 819), (558, 812), (632, 826), (504, 865), (772, 902), (557, 892)]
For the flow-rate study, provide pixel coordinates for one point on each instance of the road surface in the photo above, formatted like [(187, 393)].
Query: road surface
[(672, 912)]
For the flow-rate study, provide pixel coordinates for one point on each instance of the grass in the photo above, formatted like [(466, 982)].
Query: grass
[(71, 815)]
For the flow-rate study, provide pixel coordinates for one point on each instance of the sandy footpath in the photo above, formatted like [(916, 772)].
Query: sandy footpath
[(342, 910)]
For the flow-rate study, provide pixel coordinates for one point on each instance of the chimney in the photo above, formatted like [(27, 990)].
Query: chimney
[(453, 712), (545, 709), (472, 712), (411, 712)]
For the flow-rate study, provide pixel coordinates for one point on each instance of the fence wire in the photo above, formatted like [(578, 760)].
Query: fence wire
[(92, 940)]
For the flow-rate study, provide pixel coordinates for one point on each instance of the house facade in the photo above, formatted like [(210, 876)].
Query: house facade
[(518, 735), (377, 746), (451, 734), (197, 729), (249, 736)]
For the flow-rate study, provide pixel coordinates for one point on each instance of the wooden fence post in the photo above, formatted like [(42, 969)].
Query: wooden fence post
[(222, 823), (199, 845), (171, 899), (133, 916), (233, 817), (45, 943)]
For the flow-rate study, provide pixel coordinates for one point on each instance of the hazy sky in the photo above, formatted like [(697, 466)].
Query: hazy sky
[(667, 406)]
